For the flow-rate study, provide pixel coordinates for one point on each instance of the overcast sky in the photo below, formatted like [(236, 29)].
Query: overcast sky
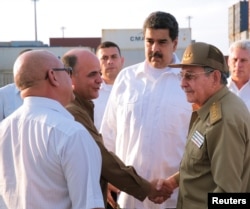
[(87, 18)]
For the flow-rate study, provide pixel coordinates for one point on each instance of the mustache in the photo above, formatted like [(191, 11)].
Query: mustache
[(156, 55)]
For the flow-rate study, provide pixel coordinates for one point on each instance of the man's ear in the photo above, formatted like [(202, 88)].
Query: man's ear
[(52, 78), (122, 58), (175, 42), (217, 76)]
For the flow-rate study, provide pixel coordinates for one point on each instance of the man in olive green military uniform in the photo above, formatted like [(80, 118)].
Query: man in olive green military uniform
[(217, 153)]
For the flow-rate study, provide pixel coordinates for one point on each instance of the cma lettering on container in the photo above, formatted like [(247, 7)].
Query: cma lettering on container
[(136, 38)]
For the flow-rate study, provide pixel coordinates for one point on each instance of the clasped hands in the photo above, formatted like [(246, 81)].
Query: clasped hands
[(162, 189)]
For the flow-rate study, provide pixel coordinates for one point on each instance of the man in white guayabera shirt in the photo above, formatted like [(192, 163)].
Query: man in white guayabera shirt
[(239, 67), (47, 160), (147, 115), (111, 63)]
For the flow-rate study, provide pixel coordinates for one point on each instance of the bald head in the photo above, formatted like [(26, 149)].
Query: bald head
[(79, 57), (86, 78), (40, 73), (32, 66)]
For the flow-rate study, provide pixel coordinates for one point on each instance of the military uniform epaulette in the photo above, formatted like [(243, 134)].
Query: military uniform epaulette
[(215, 112)]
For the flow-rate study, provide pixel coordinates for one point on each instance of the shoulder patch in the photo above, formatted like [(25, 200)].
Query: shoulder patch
[(215, 112)]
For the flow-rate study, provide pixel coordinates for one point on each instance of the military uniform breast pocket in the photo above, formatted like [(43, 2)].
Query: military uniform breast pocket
[(197, 146)]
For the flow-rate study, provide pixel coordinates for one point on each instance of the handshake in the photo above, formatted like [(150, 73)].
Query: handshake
[(162, 189)]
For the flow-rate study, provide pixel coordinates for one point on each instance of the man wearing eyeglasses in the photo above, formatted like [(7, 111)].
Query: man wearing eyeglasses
[(217, 154), (47, 159)]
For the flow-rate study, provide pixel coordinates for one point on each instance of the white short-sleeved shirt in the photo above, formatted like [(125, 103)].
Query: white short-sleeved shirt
[(10, 100), (146, 124), (47, 160), (243, 93), (100, 103)]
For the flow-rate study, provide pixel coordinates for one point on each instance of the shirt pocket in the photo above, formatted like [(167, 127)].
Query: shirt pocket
[(197, 150)]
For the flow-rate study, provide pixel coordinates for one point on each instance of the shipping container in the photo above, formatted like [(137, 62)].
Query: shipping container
[(239, 36), (244, 16), (248, 17), (231, 21), (240, 17), (125, 38), (244, 35)]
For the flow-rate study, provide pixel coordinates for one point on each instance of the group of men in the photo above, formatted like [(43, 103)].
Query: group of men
[(142, 131)]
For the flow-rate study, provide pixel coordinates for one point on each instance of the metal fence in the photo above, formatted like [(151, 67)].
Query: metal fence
[(6, 77)]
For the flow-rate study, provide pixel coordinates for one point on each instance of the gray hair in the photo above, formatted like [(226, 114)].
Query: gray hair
[(241, 44), (224, 76)]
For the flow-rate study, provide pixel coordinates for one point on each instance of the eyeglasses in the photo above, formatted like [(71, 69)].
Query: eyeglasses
[(191, 76), (67, 69)]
